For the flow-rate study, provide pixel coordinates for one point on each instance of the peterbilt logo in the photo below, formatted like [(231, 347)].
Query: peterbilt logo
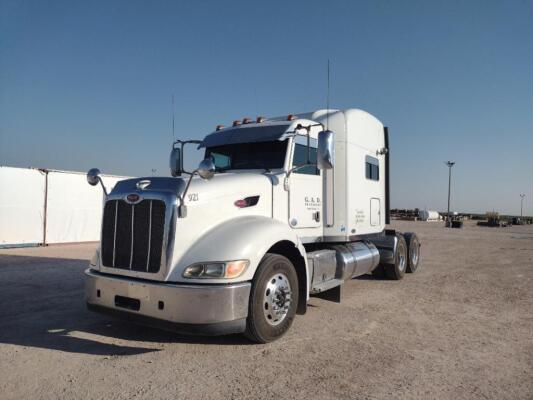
[(133, 198)]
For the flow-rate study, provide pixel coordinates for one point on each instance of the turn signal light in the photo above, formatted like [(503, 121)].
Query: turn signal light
[(241, 203), (247, 202), (235, 268)]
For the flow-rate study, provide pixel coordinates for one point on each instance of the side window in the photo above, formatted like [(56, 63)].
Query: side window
[(300, 158), (221, 160), (372, 168)]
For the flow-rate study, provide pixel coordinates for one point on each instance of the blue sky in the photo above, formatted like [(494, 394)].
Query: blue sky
[(86, 84)]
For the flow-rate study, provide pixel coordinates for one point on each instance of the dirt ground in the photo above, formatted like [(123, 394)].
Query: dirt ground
[(461, 327)]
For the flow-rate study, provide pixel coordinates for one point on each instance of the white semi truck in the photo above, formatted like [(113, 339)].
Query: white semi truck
[(280, 209)]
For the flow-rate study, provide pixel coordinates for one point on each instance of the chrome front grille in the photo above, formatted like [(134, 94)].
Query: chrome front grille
[(132, 235)]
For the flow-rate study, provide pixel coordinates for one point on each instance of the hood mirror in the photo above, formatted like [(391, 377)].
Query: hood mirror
[(326, 150), (93, 177), (206, 169), (175, 162)]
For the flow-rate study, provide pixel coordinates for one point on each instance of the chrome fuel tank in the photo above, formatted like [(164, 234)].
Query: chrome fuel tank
[(341, 262)]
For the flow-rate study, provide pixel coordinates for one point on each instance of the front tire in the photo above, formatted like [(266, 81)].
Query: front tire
[(273, 299)]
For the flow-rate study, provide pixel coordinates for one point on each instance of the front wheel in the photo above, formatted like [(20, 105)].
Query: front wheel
[(273, 299)]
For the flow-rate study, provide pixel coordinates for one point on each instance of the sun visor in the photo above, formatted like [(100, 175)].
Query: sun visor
[(250, 133)]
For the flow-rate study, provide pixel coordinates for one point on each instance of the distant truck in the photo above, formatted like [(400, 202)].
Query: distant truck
[(280, 209)]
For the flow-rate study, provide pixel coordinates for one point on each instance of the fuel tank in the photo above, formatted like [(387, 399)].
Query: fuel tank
[(335, 264)]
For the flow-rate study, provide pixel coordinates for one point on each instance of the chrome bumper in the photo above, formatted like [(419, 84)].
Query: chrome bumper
[(210, 309)]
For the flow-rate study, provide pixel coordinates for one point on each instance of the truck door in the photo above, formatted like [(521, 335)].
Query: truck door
[(305, 191)]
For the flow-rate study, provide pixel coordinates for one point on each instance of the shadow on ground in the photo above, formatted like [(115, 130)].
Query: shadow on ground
[(43, 306)]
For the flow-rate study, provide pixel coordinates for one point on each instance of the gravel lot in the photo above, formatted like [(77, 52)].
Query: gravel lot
[(460, 328)]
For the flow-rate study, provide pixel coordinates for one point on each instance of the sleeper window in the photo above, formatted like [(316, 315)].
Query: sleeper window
[(372, 168)]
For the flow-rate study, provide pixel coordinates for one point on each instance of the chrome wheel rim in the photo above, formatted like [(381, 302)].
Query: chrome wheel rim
[(277, 299), (402, 258), (414, 254)]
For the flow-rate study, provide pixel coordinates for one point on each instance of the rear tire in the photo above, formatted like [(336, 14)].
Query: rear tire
[(273, 299), (413, 251), (397, 270)]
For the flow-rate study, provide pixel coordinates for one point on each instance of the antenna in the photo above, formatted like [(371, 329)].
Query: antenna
[(327, 103), (173, 118)]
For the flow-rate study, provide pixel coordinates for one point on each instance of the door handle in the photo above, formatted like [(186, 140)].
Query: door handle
[(316, 216)]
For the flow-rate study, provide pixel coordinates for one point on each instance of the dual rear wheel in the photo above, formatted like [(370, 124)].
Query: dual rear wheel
[(406, 258)]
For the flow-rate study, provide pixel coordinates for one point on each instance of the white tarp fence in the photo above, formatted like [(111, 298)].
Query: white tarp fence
[(73, 207), (21, 205)]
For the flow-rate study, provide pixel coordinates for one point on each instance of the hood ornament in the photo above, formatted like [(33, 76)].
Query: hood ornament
[(143, 184)]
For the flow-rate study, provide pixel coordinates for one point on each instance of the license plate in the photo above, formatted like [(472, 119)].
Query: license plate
[(138, 291)]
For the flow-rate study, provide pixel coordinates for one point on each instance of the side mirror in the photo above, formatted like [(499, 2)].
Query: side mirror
[(175, 162), (93, 177), (206, 169), (326, 150)]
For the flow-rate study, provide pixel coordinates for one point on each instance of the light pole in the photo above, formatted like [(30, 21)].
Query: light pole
[(521, 204), (450, 164)]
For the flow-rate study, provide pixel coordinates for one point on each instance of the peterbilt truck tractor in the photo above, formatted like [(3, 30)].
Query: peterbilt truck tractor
[(279, 210)]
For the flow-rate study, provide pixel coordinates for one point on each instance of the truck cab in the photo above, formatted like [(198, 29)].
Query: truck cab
[(279, 209)]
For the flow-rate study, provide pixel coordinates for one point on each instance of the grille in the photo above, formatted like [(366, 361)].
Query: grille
[(132, 235)]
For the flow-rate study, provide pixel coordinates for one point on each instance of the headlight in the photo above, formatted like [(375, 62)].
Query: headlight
[(227, 270)]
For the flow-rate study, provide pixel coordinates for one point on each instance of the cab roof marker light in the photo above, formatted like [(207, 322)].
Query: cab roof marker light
[(291, 117), (219, 127), (260, 119), (237, 122), (247, 121)]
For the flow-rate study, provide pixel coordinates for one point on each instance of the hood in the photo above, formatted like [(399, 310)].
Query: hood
[(221, 186), (209, 203), (228, 187), (169, 186)]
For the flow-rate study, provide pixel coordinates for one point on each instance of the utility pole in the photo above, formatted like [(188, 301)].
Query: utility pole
[(521, 204), (450, 164)]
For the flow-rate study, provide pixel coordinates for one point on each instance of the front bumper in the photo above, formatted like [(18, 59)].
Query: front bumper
[(197, 309)]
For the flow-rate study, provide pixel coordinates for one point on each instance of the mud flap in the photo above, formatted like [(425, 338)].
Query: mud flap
[(331, 294)]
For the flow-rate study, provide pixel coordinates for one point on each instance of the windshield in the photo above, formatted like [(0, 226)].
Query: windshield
[(260, 155)]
